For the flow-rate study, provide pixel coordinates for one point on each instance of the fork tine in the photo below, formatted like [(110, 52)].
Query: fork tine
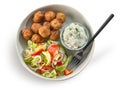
[(76, 59), (73, 63)]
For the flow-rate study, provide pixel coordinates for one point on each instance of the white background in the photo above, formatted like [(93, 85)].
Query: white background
[(102, 73)]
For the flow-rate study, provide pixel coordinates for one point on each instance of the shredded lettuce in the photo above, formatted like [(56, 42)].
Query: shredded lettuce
[(51, 74), (28, 60), (26, 53), (64, 65), (51, 42), (34, 62), (61, 48), (35, 46), (46, 57), (32, 45)]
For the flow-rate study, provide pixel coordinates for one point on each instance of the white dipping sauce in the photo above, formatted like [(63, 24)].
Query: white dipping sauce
[(74, 36)]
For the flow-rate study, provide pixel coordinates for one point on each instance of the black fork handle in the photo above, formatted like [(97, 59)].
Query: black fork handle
[(99, 30)]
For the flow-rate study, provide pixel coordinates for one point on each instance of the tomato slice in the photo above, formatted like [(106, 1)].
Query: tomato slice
[(59, 63), (41, 71), (37, 52), (45, 68), (53, 49), (67, 72), (42, 47)]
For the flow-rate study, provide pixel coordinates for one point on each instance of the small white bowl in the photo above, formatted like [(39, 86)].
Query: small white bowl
[(63, 42), (72, 16)]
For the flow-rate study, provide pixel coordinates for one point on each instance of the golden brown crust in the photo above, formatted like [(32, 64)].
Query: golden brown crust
[(61, 17), (49, 15), (55, 35), (38, 17), (26, 33), (44, 31), (47, 24), (35, 27), (37, 38), (55, 24)]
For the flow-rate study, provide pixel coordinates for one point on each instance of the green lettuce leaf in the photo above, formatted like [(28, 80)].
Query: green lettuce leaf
[(51, 74), (36, 47), (28, 60), (34, 62), (46, 57), (64, 65), (32, 45), (62, 49)]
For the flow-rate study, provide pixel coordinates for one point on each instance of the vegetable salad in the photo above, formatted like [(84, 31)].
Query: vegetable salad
[(47, 59)]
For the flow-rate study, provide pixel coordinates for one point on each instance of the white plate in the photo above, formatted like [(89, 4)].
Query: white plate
[(72, 16)]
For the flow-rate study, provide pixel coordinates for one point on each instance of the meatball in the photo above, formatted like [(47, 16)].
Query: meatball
[(55, 35), (61, 17), (38, 17), (55, 24), (44, 31), (47, 24), (26, 33), (37, 38), (35, 27), (49, 15)]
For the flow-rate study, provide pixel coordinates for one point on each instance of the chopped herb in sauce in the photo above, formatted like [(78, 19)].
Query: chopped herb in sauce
[(74, 36)]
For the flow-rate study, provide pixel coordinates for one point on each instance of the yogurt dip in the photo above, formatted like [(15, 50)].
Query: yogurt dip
[(74, 36)]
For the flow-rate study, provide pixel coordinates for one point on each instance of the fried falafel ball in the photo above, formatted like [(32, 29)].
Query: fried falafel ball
[(55, 24), (26, 33), (61, 17), (47, 24), (44, 31), (49, 15), (55, 34), (36, 38), (35, 27), (38, 17)]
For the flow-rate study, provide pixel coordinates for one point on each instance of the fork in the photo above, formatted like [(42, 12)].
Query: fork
[(77, 58)]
